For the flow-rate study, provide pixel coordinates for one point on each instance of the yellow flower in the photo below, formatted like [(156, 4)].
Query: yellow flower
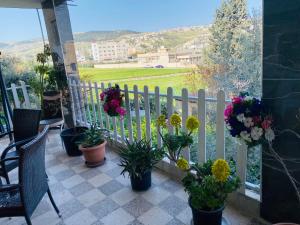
[(182, 164), (161, 121), (192, 123), (175, 120), (220, 170)]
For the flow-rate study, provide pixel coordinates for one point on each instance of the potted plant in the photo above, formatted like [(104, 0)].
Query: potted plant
[(70, 137), (92, 144), (175, 143), (48, 84), (138, 159), (208, 186)]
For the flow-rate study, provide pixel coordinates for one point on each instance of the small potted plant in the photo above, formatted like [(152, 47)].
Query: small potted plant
[(208, 186), (92, 144), (138, 159)]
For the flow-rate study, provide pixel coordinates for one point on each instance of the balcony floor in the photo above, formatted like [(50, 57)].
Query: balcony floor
[(102, 196)]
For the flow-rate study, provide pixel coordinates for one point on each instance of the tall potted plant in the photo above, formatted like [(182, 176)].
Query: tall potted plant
[(92, 144), (207, 185), (138, 159)]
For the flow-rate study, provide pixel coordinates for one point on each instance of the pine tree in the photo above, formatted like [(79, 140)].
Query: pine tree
[(235, 49)]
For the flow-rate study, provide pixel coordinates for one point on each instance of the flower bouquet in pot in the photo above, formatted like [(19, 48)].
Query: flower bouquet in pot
[(92, 144), (247, 120), (113, 103), (208, 186), (138, 159)]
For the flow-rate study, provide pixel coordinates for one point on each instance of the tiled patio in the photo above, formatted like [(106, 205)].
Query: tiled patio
[(102, 196)]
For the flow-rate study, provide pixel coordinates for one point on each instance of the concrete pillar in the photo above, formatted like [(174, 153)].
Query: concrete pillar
[(281, 93), (61, 41)]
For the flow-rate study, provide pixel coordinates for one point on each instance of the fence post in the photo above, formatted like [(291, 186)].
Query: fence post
[(86, 102), (98, 104), (241, 165), (147, 113), (106, 116), (15, 95), (92, 102), (157, 110), (25, 94), (201, 131), (137, 113), (220, 128), (185, 114), (127, 105)]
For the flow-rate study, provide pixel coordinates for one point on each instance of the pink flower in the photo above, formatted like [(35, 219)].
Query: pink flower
[(105, 107), (121, 111), (256, 119), (115, 103), (237, 100), (228, 111), (266, 124), (102, 95)]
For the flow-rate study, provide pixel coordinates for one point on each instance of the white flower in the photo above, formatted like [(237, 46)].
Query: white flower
[(256, 133), (269, 135), (248, 122), (246, 136), (248, 98), (240, 117)]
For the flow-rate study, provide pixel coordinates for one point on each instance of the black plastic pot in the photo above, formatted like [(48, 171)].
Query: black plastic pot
[(143, 184), (202, 217), (69, 137)]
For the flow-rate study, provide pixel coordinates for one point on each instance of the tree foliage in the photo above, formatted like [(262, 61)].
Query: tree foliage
[(234, 52)]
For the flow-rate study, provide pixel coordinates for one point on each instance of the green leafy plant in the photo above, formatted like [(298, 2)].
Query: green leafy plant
[(175, 143), (209, 184), (139, 157), (93, 136)]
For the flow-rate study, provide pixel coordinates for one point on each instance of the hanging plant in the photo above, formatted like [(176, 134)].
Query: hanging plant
[(113, 101)]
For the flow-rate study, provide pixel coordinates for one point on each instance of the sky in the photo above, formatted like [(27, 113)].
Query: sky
[(137, 15)]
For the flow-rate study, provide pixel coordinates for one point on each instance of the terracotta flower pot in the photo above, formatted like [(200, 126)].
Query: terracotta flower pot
[(94, 156)]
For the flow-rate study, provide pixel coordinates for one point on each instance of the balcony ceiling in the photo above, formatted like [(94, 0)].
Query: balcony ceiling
[(27, 4)]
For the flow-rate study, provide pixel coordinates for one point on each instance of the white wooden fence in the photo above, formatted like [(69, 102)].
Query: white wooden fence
[(20, 95), (87, 109)]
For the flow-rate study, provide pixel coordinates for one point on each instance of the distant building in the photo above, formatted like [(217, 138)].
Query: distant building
[(80, 57), (166, 58), (110, 51), (161, 57), (95, 52)]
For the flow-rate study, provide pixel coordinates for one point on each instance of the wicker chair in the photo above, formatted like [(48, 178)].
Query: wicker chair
[(25, 128), (22, 199)]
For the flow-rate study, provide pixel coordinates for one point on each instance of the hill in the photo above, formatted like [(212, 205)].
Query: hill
[(173, 39)]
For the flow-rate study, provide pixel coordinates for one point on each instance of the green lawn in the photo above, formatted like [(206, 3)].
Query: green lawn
[(107, 75), (100, 75)]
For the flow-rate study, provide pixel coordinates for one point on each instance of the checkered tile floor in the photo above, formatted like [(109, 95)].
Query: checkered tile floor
[(102, 196)]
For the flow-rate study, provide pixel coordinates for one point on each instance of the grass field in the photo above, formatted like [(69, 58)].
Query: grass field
[(101, 75), (135, 76)]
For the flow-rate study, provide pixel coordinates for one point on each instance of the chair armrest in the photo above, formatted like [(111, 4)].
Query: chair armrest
[(9, 187), (6, 133), (11, 146), (2, 161)]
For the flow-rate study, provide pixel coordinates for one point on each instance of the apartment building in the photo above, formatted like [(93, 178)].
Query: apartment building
[(110, 51)]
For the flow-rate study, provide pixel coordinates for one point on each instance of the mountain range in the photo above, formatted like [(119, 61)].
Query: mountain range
[(176, 38)]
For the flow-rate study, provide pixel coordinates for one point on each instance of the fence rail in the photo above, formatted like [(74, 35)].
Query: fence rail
[(139, 106)]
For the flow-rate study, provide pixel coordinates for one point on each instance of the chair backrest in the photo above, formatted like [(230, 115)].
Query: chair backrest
[(32, 172), (25, 123)]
